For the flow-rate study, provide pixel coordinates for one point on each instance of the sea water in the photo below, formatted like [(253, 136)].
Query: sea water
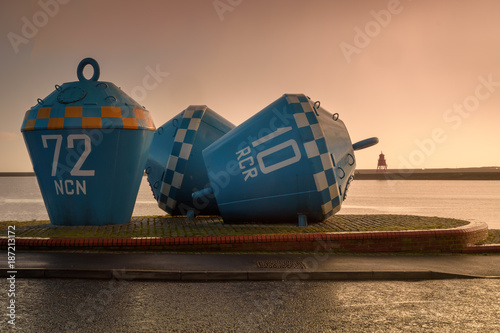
[(21, 200)]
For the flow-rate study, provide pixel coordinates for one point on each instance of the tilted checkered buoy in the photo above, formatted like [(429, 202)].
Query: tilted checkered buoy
[(88, 143), (292, 160), (175, 167)]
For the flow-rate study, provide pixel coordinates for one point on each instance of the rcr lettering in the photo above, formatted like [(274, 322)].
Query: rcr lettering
[(246, 162)]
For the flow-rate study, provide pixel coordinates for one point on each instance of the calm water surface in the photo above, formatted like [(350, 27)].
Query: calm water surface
[(462, 199), (20, 199)]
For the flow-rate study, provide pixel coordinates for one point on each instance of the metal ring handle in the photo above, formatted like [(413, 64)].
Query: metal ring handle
[(315, 107), (351, 159), (110, 99), (81, 66), (335, 116), (343, 172)]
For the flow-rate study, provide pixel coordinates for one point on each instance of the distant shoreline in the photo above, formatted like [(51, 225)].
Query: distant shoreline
[(487, 173), (429, 176), (17, 174)]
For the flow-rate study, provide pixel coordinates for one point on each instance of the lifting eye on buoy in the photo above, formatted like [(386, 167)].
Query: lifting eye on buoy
[(81, 67), (365, 143), (316, 107)]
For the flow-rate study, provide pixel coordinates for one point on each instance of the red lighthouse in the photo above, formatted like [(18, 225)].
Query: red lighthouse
[(382, 165)]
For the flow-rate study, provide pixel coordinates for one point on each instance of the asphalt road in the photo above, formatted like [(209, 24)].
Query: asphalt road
[(64, 305)]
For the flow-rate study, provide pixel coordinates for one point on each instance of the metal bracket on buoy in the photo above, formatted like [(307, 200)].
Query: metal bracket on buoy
[(302, 220)]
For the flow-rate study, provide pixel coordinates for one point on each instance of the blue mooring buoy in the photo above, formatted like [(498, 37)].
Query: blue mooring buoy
[(175, 167), (88, 143), (293, 160)]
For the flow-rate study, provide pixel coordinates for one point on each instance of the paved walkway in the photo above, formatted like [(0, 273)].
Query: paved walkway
[(203, 267)]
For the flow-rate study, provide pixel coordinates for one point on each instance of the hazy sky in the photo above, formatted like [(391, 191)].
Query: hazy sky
[(422, 75)]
